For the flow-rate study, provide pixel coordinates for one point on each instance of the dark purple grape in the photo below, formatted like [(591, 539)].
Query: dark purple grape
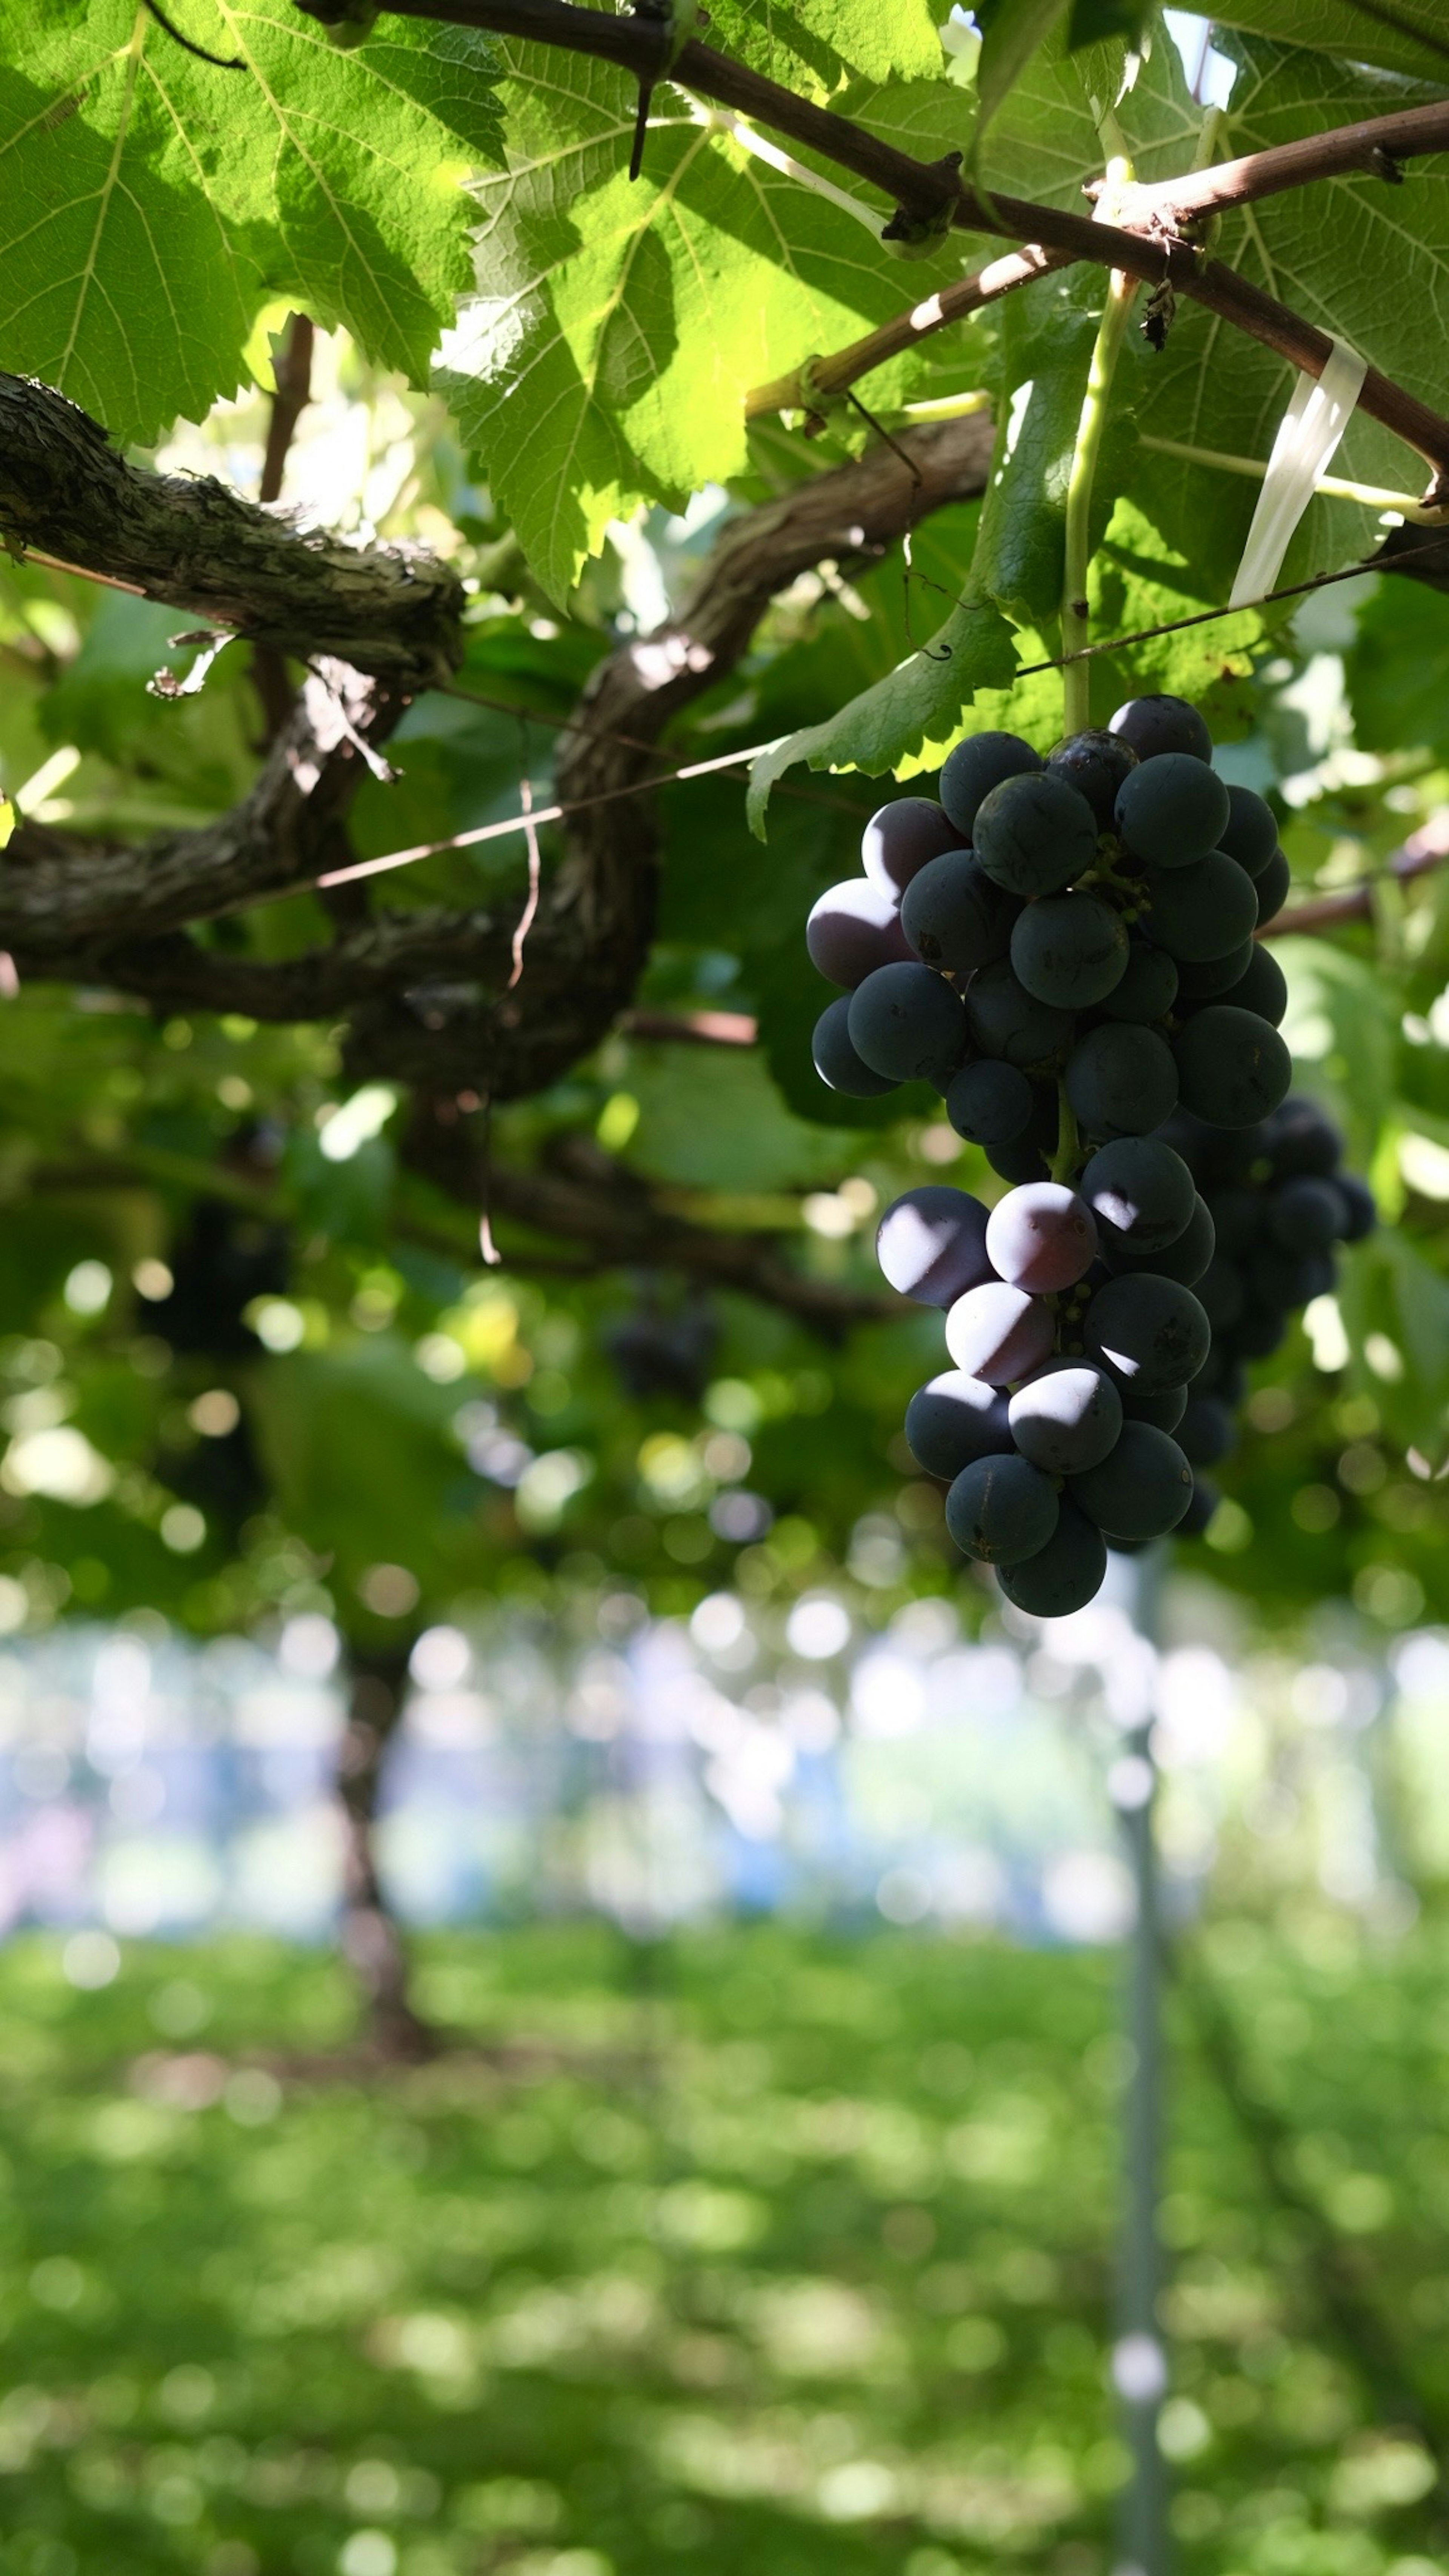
[(1141, 1490), (1262, 987), (1033, 835), (1157, 725), (1305, 1215), (1148, 988), (1232, 1067), (1001, 1509), (1274, 884), (1163, 1411), (1301, 1137), (1250, 834), (977, 765), (1066, 1417), (953, 1419), (999, 1333), (1212, 979), (989, 1103), (1202, 911), (835, 1058), (1361, 1215), (955, 917), (1186, 1259), (1121, 1081), (901, 838), (1005, 1020), (1069, 950), (1172, 810), (1148, 1331), (853, 929), (1141, 1189), (1041, 1237), (1207, 1432), (931, 1244), (907, 1024), (1096, 764), (1064, 1575)]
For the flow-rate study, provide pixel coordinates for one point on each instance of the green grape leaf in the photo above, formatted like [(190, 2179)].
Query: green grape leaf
[(618, 326), (1011, 32), (914, 714), (1104, 22), (807, 47), (1401, 35), (148, 201), (1326, 250)]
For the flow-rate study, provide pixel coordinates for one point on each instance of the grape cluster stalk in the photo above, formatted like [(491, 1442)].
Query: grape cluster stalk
[(1064, 949)]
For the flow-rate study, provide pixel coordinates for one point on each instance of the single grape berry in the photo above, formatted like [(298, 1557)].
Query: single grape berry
[(1250, 834), (1301, 1137), (1095, 763), (1202, 911), (902, 838), (1186, 1258), (1121, 1081), (1210, 978), (988, 1103), (1033, 835), (953, 1419), (1359, 1212), (1001, 1509), (1064, 1575), (1274, 883), (931, 1244), (1172, 810), (1232, 1067), (853, 929), (1304, 1215), (1208, 1432), (1148, 988), (1005, 1020), (907, 1024), (1041, 1237), (1163, 1411), (1066, 1417), (1261, 988), (836, 1061), (1141, 1490), (1141, 1189), (1159, 725), (999, 1333), (1069, 950), (954, 916), (976, 766), (1149, 1331)]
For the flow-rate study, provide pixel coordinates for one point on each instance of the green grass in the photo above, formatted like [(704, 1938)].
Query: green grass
[(763, 2255)]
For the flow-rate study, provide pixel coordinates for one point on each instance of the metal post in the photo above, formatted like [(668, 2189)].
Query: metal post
[(1139, 2359)]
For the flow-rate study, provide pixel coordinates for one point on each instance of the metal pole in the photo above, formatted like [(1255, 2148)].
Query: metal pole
[(1139, 2359)]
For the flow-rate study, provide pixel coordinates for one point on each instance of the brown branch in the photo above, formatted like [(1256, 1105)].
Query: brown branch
[(1170, 207), (595, 919), (292, 376), (587, 1198), (392, 610), (1423, 852), (929, 190), (691, 1028)]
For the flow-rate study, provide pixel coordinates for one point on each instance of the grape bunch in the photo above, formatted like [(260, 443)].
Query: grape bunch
[(1279, 1203), (1064, 949)]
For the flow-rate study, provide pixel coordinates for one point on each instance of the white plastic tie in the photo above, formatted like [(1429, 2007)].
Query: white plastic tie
[(1306, 444)]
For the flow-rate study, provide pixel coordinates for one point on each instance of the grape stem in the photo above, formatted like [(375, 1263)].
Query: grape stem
[(1076, 677), (1067, 1159)]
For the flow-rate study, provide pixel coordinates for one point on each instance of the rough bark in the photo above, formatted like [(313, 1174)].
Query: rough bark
[(372, 1939), (393, 610)]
